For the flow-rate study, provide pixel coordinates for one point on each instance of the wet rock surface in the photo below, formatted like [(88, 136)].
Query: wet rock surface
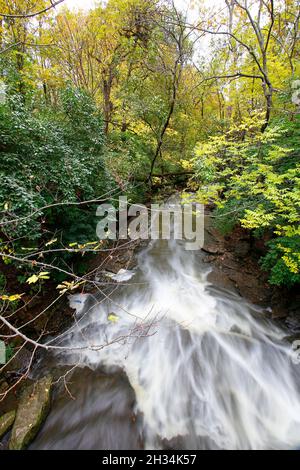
[(33, 408), (101, 416), (6, 422)]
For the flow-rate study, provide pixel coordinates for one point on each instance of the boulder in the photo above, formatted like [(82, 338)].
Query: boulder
[(279, 311), (220, 279), (213, 249), (6, 422), (33, 408), (242, 248), (251, 287)]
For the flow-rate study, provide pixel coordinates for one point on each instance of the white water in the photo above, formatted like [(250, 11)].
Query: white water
[(207, 370)]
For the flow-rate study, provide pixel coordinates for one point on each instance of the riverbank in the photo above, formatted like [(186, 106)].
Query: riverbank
[(235, 263), (16, 378)]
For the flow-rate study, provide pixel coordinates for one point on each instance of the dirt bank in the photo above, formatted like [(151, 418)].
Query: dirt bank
[(235, 265)]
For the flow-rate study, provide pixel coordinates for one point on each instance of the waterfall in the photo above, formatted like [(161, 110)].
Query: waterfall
[(208, 370)]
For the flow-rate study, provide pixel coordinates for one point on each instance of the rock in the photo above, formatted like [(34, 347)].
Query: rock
[(208, 258), (218, 278), (242, 248), (250, 287), (292, 321), (212, 249), (33, 408), (6, 422), (3, 386), (213, 241), (279, 311), (19, 362)]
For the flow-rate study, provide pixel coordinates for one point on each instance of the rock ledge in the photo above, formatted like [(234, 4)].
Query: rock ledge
[(33, 408)]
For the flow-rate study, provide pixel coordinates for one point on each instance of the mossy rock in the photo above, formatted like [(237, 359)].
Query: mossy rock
[(33, 408), (6, 422)]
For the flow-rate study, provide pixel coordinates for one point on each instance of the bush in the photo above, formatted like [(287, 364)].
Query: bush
[(47, 159), (254, 179), (283, 261)]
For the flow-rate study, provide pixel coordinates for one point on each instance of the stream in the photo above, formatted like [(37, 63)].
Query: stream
[(190, 366)]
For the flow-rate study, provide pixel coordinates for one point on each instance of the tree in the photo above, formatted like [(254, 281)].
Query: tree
[(24, 13), (249, 29)]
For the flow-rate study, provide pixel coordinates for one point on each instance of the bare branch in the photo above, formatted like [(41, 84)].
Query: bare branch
[(31, 15), (234, 75), (102, 198), (271, 10)]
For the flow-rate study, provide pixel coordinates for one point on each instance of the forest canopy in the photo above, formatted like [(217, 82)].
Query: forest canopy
[(99, 102)]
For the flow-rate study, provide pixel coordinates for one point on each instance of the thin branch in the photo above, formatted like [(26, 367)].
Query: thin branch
[(31, 15), (271, 11), (20, 43), (235, 75), (102, 198), (47, 347), (8, 48)]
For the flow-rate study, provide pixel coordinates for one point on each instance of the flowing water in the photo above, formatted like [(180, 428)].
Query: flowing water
[(190, 366)]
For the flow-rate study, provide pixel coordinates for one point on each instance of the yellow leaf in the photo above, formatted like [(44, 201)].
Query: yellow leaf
[(51, 242), (11, 298), (44, 275), (32, 279), (113, 318)]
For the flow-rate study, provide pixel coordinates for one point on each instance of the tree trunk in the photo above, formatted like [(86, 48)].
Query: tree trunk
[(268, 92), (166, 123), (107, 104)]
